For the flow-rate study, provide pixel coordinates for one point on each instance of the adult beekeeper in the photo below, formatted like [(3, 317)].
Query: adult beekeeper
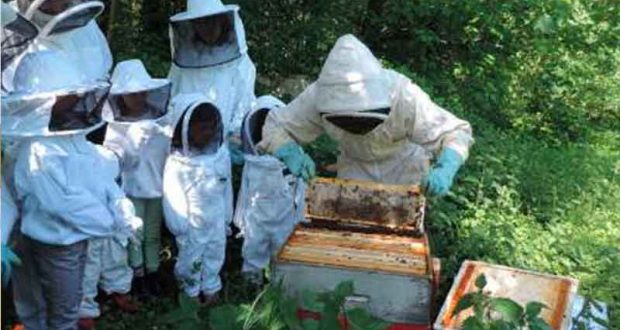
[(210, 56), (388, 129), (52, 110)]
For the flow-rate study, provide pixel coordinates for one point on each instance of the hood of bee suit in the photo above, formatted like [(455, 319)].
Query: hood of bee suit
[(182, 107), (252, 127), (352, 80)]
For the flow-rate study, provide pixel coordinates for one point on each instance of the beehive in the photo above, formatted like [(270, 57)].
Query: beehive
[(369, 233), (519, 285), (367, 205)]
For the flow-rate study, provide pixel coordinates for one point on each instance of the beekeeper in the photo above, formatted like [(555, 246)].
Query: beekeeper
[(387, 128), (69, 27), (54, 107), (139, 133), (198, 195), (210, 56), (271, 199)]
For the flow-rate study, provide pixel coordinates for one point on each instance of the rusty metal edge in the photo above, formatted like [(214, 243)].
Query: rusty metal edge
[(447, 305)]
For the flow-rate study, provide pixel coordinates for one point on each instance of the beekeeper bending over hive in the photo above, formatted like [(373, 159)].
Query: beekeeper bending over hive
[(388, 128)]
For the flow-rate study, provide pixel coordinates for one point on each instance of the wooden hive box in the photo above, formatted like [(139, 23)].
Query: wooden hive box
[(369, 233)]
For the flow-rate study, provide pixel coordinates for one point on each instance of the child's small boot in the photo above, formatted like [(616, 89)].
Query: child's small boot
[(124, 303), (86, 323)]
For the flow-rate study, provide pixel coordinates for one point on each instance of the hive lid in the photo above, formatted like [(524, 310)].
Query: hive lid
[(365, 204), (353, 250), (519, 285)]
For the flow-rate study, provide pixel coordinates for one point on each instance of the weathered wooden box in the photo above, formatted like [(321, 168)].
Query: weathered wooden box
[(369, 233), (519, 285)]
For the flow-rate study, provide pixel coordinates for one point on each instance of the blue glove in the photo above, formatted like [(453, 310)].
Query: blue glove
[(236, 154), (297, 161), (441, 176), (8, 260)]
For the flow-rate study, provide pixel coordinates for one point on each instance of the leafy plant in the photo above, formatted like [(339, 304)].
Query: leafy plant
[(186, 316), (272, 310), (497, 313)]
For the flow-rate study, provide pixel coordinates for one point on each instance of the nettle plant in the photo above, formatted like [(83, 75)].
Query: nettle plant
[(496, 313)]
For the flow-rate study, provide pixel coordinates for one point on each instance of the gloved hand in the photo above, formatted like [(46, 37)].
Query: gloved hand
[(129, 226), (297, 161), (136, 227), (8, 260), (441, 176)]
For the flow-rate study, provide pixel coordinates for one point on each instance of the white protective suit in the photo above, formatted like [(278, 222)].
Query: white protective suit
[(142, 142), (271, 199), (223, 73), (74, 33), (55, 107), (51, 110), (138, 141), (198, 201), (352, 83)]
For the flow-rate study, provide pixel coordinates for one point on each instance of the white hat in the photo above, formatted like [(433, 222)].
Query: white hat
[(352, 79), (40, 78), (47, 71), (131, 77), (203, 8)]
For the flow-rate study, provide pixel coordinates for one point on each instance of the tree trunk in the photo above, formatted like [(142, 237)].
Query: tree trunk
[(111, 22)]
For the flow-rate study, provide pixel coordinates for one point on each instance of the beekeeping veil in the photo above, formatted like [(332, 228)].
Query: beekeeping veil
[(51, 97), (222, 26)]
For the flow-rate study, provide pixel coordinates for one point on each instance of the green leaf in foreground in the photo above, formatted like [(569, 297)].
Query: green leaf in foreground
[(464, 303), (510, 310)]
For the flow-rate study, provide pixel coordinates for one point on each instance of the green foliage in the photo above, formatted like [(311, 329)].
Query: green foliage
[(544, 67), (498, 313), (548, 68), (522, 203), (271, 309)]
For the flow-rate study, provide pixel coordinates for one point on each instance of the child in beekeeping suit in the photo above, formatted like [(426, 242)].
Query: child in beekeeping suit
[(140, 133), (64, 206), (136, 103), (198, 195), (210, 56), (270, 201)]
